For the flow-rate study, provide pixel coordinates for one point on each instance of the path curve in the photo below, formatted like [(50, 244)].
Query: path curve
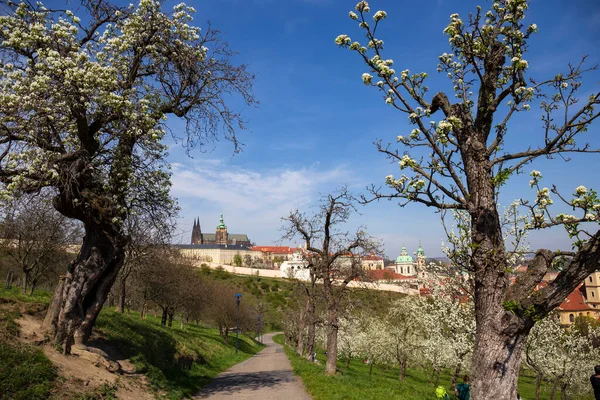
[(267, 375)]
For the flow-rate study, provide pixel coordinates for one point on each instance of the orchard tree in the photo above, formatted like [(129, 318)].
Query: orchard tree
[(467, 163), (83, 100), (334, 256), (561, 356), (147, 236), (35, 238), (450, 331), (372, 341)]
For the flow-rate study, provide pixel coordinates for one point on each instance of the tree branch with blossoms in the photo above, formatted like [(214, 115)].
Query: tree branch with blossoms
[(469, 161)]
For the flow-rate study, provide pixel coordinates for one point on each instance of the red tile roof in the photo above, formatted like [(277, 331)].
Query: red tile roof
[(386, 274), (575, 301), (275, 249)]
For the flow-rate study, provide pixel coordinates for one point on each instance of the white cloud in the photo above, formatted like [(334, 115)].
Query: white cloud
[(252, 202)]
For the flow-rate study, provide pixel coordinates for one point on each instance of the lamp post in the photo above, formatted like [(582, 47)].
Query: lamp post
[(238, 297)]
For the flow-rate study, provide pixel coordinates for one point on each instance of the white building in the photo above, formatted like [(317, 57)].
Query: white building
[(295, 268), (405, 265)]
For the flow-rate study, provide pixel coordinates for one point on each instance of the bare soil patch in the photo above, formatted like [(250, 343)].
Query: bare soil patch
[(89, 368)]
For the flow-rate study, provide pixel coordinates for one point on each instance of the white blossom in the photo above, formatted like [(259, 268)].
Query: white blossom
[(379, 15), (581, 190), (366, 77)]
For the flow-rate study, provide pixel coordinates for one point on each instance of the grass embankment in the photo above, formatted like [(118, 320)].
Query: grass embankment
[(176, 361), (25, 372), (354, 383)]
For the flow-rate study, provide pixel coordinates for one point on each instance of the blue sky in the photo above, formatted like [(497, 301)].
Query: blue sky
[(316, 121)]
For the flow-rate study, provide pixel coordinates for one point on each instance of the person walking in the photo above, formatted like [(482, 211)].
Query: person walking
[(595, 381), (463, 391)]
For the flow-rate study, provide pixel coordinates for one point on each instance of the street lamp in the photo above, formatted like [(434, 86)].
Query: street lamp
[(238, 297)]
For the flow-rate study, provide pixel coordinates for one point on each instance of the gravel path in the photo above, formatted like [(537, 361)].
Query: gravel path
[(268, 375)]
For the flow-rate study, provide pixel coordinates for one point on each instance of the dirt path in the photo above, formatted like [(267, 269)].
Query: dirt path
[(267, 375)]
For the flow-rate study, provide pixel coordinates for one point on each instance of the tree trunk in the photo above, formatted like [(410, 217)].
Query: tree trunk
[(24, 283), (538, 385), (370, 368), (348, 362), (164, 316), (171, 314), (143, 310), (501, 334), (554, 387), (122, 296), (300, 344), (496, 361), (89, 278), (563, 392), (437, 377), (332, 336), (455, 376), (310, 335)]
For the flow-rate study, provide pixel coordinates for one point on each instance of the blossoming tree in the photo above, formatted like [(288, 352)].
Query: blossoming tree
[(467, 164), (563, 357), (82, 104)]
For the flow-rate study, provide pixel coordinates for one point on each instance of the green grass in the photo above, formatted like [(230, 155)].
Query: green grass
[(25, 372), (16, 294), (177, 361), (354, 383)]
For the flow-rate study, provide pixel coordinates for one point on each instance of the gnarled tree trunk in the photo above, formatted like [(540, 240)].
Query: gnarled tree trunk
[(80, 295)]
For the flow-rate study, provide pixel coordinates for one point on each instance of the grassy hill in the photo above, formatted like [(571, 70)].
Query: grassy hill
[(177, 361)]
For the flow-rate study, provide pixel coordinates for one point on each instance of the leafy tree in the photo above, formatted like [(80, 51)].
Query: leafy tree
[(468, 162), (237, 260), (82, 109)]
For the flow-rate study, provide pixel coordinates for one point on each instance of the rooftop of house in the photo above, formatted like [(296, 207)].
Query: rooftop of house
[(275, 249), (575, 301), (386, 274)]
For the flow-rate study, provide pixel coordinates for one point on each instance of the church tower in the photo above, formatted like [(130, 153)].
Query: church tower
[(196, 232), (420, 258), (221, 236), (421, 261)]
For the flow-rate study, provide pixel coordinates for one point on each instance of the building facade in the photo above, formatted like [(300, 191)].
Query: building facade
[(220, 237), (577, 304), (406, 265), (222, 254)]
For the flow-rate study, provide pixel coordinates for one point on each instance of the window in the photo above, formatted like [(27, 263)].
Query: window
[(590, 278), (593, 294), (571, 318)]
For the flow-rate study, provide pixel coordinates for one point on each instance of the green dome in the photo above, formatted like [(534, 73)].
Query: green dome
[(221, 223), (404, 258), (420, 251)]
